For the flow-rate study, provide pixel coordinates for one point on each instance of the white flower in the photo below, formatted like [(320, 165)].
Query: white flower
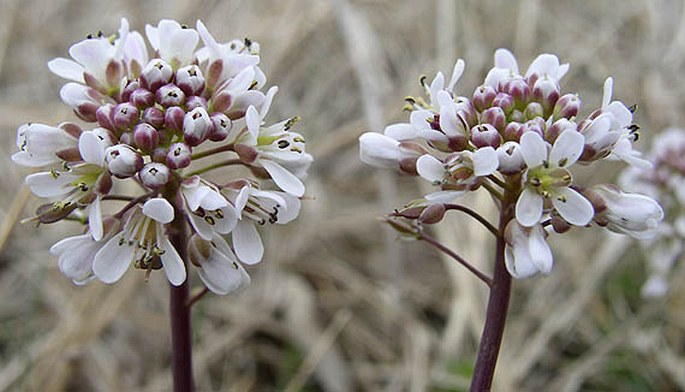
[(144, 242), (438, 84), (461, 171), (40, 144), (219, 269), (526, 252), (208, 210), (75, 256), (548, 179), (628, 213), (174, 43), (384, 152)]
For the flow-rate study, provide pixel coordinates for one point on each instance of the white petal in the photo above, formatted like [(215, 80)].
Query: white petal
[(485, 161), (573, 207), (95, 220), (567, 148), (533, 149), (529, 208), (402, 131), (430, 168), (194, 195), (608, 91), (544, 64), (290, 210), (283, 178), (174, 267), (449, 120), (518, 263), (226, 224), (252, 120), (91, 148), (201, 227), (443, 197), (379, 150), (247, 243), (505, 59), (541, 255), (112, 261), (46, 185), (67, 69), (159, 209), (436, 86), (419, 119), (221, 273), (456, 74)]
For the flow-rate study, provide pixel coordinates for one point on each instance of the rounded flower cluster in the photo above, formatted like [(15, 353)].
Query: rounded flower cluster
[(149, 117), (665, 181), (518, 136)]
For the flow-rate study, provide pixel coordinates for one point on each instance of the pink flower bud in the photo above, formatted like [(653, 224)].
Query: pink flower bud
[(123, 161), (104, 116), (557, 128), (142, 98), (513, 131), (154, 116), (190, 80), (196, 126), (432, 214), (178, 156), (221, 127), (485, 135), (154, 175), (196, 102), (483, 97), (533, 110), (495, 116), (546, 91), (125, 115), (173, 118), (505, 101), (519, 90), (156, 74), (567, 106), (128, 90), (145, 137), (170, 95)]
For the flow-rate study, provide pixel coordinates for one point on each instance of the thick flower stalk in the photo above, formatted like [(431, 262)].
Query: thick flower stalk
[(518, 137), (154, 118)]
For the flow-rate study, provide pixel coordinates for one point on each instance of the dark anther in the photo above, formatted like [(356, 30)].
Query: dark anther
[(282, 144), (633, 108)]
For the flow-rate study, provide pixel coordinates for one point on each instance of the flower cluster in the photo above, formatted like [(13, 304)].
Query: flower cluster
[(517, 136), (664, 181), (148, 117)]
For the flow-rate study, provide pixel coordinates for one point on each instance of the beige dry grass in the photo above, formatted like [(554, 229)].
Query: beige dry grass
[(338, 304)]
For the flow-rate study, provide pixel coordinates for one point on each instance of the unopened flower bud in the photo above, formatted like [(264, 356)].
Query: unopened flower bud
[(536, 126), (557, 128), (510, 158), (517, 115), (126, 138), (196, 126), (123, 161), (159, 155), (247, 154), (505, 101), (178, 156), (495, 116), (128, 90), (519, 90), (154, 175), (485, 135), (173, 118), (483, 97), (142, 98), (125, 115), (170, 95), (432, 214), (190, 80), (196, 102), (567, 106), (145, 136), (221, 127), (156, 74), (628, 213), (104, 116), (513, 131), (154, 116), (546, 91), (533, 110)]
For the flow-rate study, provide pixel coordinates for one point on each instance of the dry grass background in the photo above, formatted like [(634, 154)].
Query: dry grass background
[(339, 304)]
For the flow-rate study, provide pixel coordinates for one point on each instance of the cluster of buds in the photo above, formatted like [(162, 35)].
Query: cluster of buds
[(664, 181), (148, 118), (517, 136)]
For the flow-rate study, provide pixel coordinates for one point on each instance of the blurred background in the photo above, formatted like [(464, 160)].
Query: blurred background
[(339, 303)]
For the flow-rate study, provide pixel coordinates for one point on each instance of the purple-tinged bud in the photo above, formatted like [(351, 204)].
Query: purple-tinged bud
[(190, 80), (557, 128), (156, 74), (173, 118), (247, 154), (159, 155), (154, 175), (495, 116), (104, 116), (145, 137), (483, 97), (196, 126), (125, 115), (485, 135), (128, 90), (126, 138), (178, 156), (567, 106), (546, 91), (519, 90), (154, 116), (466, 112), (170, 95), (123, 161), (196, 102), (513, 131), (517, 115), (221, 127), (534, 110), (505, 101), (510, 158), (432, 214), (222, 101), (142, 98)]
